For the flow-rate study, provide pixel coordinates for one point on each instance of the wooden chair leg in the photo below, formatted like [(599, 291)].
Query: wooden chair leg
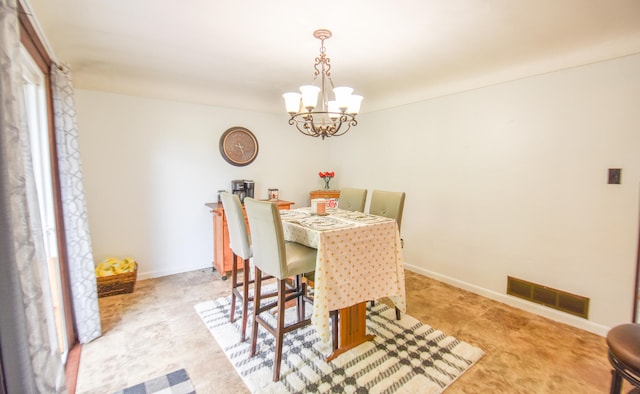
[(299, 300), (234, 285), (282, 288), (616, 382), (257, 289), (245, 299), (303, 296)]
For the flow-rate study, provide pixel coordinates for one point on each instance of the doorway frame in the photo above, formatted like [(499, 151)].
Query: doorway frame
[(636, 291)]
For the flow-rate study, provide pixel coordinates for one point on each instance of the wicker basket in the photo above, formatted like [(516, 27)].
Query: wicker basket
[(117, 284)]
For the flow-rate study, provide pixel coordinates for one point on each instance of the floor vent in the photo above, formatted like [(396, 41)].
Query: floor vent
[(556, 299)]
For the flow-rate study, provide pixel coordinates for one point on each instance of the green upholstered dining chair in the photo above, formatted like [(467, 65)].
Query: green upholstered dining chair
[(387, 204), (240, 245), (390, 205), (285, 261), (352, 199)]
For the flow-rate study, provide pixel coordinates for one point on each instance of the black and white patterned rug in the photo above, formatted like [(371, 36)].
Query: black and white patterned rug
[(405, 356), (176, 382)]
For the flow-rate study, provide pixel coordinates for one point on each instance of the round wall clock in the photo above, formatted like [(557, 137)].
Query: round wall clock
[(238, 146)]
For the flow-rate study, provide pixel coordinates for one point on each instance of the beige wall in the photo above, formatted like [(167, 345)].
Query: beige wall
[(151, 165), (511, 180), (504, 180)]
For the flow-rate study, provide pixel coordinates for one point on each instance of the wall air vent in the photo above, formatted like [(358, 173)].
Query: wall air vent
[(556, 299)]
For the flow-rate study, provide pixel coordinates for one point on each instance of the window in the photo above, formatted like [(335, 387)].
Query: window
[(35, 111)]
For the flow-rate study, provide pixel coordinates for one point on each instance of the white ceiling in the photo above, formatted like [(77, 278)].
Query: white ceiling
[(246, 53)]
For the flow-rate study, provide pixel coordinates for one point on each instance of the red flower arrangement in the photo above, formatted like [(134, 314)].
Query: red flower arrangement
[(327, 175)]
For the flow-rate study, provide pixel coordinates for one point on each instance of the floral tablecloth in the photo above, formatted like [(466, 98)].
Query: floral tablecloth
[(359, 259)]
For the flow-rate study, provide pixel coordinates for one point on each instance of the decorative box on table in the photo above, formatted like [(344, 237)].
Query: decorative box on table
[(122, 283)]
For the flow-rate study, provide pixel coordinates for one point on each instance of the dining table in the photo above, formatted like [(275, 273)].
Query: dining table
[(359, 259)]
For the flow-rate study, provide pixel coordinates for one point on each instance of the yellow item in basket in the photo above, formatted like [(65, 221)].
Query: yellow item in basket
[(113, 266)]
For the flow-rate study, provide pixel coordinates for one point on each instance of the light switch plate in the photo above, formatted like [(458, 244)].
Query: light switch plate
[(615, 175)]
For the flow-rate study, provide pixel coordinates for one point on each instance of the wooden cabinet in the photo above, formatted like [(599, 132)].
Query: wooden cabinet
[(324, 194), (222, 254)]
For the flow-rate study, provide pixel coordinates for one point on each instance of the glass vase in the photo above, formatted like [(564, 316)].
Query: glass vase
[(326, 183)]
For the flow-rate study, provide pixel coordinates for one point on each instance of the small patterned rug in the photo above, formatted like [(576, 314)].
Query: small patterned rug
[(176, 382), (405, 356)]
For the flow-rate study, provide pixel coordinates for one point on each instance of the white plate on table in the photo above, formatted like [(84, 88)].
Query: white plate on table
[(286, 214), (322, 223), (362, 217)]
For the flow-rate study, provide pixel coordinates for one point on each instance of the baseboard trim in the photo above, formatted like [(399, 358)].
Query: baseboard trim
[(537, 309), (167, 272)]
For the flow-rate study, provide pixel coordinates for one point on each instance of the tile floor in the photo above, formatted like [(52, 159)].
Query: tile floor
[(156, 330)]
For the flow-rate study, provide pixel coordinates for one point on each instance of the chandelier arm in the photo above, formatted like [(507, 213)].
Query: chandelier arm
[(313, 128), (337, 124), (344, 131), (349, 120), (304, 130)]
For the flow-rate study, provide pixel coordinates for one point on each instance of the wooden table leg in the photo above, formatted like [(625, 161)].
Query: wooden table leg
[(353, 329)]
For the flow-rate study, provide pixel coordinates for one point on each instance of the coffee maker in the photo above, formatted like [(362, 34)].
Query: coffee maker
[(243, 188), (249, 187)]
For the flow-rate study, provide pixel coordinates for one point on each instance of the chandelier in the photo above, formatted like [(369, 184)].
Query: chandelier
[(327, 118)]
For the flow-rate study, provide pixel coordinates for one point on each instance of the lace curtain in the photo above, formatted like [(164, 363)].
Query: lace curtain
[(30, 362), (81, 266)]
